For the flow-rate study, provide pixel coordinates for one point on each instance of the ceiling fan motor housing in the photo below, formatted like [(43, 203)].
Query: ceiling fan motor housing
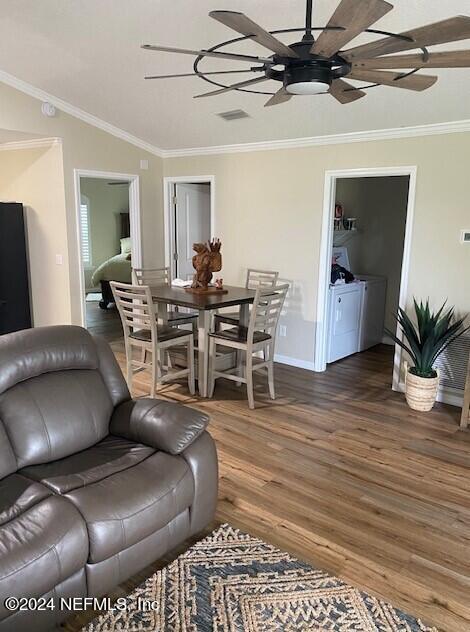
[(298, 77)]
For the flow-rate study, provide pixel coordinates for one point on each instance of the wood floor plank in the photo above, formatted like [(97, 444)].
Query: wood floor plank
[(341, 473)]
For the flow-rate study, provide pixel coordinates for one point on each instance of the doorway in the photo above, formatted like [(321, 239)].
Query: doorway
[(366, 237), (189, 219), (108, 232)]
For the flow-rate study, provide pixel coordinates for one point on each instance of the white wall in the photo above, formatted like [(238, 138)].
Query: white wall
[(269, 211), (86, 147), (380, 206), (35, 177)]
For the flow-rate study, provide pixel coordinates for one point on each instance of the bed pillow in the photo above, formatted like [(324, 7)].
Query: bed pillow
[(125, 245)]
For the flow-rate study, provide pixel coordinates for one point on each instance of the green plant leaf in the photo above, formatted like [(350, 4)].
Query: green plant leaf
[(432, 334)]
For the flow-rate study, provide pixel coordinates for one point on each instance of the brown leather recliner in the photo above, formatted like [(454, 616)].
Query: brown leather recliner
[(94, 486)]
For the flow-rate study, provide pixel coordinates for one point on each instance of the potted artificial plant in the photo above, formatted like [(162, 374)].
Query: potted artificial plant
[(424, 342)]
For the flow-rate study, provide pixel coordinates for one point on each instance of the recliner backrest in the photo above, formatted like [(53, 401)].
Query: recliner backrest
[(58, 389)]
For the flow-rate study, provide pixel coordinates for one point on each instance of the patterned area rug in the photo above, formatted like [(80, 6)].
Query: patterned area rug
[(233, 582)]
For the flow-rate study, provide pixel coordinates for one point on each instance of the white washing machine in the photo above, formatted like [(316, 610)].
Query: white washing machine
[(344, 320), (355, 312)]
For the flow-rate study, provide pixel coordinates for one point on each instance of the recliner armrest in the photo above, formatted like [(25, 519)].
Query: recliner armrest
[(162, 425)]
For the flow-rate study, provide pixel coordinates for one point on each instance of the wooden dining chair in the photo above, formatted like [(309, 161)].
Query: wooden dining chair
[(254, 279), (142, 333), (158, 277), (260, 335)]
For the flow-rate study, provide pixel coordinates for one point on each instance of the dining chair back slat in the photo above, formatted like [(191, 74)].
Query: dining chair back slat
[(139, 321), (260, 278), (154, 277), (264, 319), (136, 308), (266, 310)]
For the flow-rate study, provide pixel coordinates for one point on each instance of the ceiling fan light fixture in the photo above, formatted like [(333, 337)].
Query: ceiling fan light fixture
[(308, 79), (308, 87)]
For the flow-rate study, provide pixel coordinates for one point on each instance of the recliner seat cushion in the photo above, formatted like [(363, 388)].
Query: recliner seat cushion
[(126, 507), (108, 457), (40, 548)]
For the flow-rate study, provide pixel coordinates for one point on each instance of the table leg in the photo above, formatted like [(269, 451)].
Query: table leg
[(244, 320), (162, 319), (204, 322), (162, 313), (244, 314)]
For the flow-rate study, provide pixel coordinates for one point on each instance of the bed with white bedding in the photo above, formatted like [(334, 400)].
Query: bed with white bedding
[(117, 268)]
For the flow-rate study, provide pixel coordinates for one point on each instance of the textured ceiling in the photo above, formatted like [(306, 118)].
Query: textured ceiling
[(87, 52)]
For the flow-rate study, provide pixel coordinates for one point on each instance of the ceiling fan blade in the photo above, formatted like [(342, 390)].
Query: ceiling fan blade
[(282, 96), (394, 79), (345, 92), (242, 84), (195, 74), (448, 59), (242, 24), (206, 53), (355, 16), (450, 30)]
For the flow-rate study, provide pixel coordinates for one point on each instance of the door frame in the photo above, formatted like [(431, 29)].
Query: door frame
[(326, 248), (134, 220), (168, 217)]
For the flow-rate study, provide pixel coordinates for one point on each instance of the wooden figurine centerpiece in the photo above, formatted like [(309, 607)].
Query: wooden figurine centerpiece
[(206, 261)]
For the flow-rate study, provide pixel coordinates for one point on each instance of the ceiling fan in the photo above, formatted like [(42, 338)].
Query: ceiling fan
[(319, 65)]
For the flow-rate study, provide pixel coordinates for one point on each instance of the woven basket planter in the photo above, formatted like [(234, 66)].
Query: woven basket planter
[(421, 392)]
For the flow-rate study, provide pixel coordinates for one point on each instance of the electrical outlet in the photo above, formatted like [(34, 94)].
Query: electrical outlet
[(465, 237), (282, 331), (59, 260)]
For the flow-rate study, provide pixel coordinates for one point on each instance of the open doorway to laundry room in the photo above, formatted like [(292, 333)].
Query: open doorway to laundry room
[(365, 266)]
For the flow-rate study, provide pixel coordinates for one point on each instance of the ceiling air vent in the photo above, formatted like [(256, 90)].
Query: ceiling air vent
[(233, 115)]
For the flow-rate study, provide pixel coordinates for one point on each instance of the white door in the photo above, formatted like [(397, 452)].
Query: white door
[(192, 224)]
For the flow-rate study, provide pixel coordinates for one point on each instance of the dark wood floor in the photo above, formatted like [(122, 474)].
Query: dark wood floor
[(103, 322), (340, 472)]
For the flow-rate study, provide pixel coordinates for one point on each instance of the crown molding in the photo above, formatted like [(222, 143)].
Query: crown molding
[(30, 143), (453, 127), (84, 116)]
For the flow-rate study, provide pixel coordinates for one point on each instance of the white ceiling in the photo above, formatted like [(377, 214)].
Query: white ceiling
[(87, 52)]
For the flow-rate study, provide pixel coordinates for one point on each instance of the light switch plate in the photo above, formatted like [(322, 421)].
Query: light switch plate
[(144, 165)]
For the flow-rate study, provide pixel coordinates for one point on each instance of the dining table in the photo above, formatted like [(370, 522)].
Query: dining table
[(205, 304)]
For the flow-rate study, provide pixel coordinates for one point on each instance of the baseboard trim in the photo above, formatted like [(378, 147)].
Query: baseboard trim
[(299, 364), (445, 395)]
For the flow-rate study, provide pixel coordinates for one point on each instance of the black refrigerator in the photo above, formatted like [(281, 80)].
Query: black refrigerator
[(15, 311)]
